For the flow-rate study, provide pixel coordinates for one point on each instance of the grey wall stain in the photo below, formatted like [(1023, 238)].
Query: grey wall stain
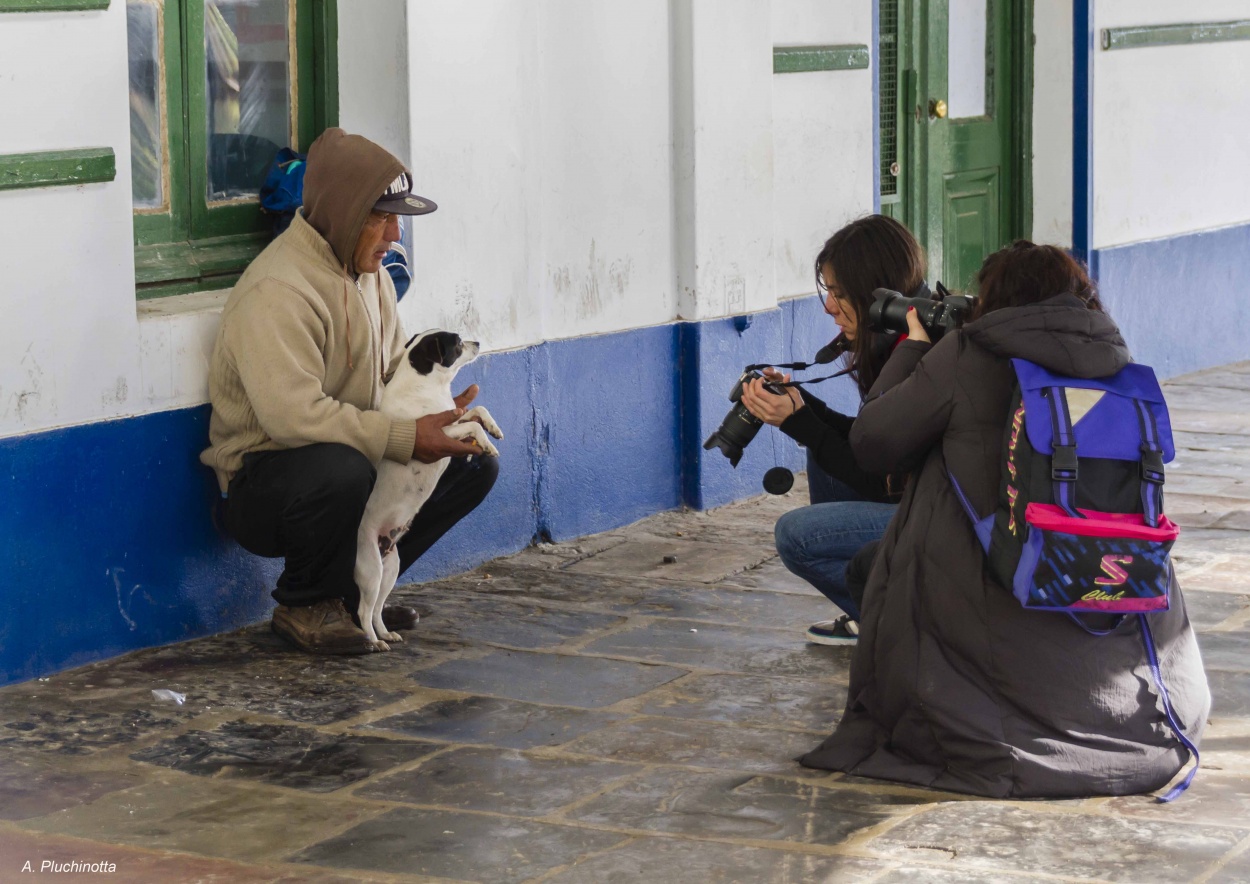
[(118, 394), (561, 279), (513, 312), (468, 319), (596, 285), (591, 301), (23, 400), (735, 294), (618, 274)]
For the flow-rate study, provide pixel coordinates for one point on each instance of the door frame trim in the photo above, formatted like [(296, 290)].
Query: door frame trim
[(1083, 134), (1020, 29), (913, 17)]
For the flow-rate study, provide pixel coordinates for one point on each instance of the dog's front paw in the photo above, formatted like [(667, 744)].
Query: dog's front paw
[(391, 636), (479, 414), (380, 645)]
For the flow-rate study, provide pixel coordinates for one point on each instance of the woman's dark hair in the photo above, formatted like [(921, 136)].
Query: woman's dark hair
[(1025, 273), (870, 253)]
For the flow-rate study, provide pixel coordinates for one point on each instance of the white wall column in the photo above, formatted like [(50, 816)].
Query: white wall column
[(723, 156)]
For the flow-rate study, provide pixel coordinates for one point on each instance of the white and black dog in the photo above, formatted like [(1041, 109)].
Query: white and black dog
[(421, 385)]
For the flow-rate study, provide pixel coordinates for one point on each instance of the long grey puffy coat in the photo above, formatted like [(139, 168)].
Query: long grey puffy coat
[(953, 684)]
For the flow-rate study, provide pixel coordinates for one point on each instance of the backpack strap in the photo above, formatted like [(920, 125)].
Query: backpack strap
[(1063, 463), (1152, 657), (1148, 639), (1151, 464)]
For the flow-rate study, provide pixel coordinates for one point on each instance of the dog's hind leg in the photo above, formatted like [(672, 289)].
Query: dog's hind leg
[(390, 573), (369, 582)]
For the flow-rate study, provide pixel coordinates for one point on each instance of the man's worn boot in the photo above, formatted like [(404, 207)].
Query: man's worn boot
[(323, 628)]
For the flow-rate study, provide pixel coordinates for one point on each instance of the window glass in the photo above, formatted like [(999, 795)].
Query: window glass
[(147, 146), (966, 58), (248, 87)]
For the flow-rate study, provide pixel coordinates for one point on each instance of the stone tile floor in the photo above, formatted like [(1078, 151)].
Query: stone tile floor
[(584, 712)]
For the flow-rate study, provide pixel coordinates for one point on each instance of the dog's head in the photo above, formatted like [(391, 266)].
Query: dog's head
[(440, 352)]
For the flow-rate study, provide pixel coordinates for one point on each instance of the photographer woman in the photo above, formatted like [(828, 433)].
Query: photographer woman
[(953, 684), (850, 506)]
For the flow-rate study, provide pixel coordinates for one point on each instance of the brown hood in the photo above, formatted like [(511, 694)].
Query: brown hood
[(345, 176)]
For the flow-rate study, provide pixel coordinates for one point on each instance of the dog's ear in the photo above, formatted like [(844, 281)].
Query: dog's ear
[(450, 348), (425, 354)]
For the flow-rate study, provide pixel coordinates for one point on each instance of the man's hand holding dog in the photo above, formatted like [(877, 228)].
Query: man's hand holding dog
[(433, 444)]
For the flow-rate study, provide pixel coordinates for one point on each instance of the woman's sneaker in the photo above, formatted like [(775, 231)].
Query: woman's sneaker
[(843, 631)]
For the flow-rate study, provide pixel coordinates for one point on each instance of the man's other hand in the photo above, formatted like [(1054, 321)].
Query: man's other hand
[(433, 444), (462, 401)]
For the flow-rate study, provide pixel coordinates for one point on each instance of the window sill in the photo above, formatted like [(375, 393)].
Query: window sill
[(183, 305), (181, 268)]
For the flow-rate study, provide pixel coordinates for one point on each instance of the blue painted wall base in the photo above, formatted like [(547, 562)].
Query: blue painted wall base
[(1183, 303), (108, 544)]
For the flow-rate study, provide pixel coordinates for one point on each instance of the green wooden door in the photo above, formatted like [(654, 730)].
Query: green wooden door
[(961, 185)]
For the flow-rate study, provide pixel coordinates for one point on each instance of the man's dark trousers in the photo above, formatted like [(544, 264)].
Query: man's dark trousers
[(305, 505)]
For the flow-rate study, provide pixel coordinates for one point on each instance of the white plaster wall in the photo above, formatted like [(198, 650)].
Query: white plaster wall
[(373, 63), (69, 333), (542, 130), (1171, 125), (605, 151), (590, 161), (1052, 122), (822, 137)]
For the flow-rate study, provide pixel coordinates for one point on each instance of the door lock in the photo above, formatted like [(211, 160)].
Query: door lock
[(937, 108)]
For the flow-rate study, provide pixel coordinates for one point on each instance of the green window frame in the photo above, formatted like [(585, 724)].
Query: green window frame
[(189, 243)]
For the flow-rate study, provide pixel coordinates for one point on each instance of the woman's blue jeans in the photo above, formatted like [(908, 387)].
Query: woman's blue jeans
[(816, 542)]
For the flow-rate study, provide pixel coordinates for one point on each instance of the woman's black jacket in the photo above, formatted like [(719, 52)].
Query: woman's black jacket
[(826, 434)]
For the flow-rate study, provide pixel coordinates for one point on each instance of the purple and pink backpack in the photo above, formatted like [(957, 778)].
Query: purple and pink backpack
[(1079, 527)]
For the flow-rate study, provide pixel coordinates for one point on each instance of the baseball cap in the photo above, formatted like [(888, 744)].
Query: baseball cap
[(398, 199)]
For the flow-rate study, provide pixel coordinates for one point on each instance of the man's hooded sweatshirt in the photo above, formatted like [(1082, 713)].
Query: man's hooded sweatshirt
[(305, 342)]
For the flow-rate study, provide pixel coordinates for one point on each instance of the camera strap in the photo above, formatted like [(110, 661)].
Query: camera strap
[(827, 354), (799, 366), (804, 383)]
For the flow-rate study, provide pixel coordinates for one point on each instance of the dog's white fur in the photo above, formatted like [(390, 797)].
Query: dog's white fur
[(401, 490)]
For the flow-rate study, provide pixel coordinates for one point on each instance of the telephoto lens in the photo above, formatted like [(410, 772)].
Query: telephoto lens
[(739, 426), (888, 312)]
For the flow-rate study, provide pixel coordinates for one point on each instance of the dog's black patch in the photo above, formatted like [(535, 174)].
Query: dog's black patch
[(437, 348)]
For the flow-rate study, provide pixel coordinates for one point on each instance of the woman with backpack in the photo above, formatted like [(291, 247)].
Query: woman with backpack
[(850, 506), (955, 685)]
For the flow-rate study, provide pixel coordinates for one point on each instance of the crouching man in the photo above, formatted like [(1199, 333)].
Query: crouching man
[(307, 339)]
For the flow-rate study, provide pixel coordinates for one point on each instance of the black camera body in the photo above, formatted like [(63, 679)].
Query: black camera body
[(888, 312), (739, 426)]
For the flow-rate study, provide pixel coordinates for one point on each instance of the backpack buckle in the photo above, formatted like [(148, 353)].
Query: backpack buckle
[(1063, 466), (1152, 465)]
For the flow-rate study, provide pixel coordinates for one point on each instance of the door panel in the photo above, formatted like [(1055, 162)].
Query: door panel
[(970, 224), (961, 176)]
